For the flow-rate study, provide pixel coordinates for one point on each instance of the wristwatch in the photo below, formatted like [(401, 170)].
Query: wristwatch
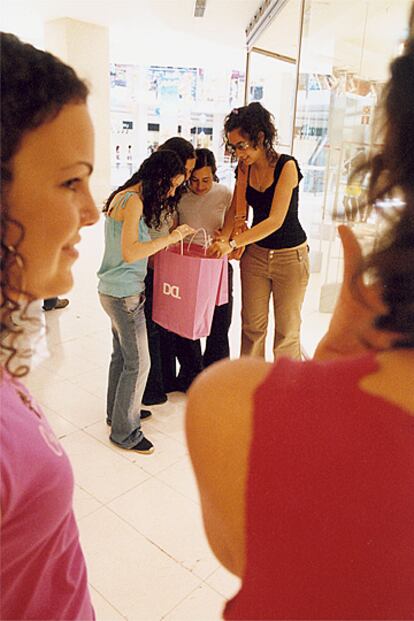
[(233, 244)]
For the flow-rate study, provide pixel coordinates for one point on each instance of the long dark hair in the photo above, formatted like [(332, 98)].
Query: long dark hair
[(393, 169), (182, 147), (185, 151), (155, 175), (253, 120), (205, 157), (35, 85)]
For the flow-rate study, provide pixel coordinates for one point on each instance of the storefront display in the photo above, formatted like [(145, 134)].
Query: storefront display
[(152, 103), (340, 61)]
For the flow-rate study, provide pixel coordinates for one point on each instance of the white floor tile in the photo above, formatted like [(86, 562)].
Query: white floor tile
[(171, 521), (67, 364), (169, 419), (181, 478), (224, 582), (72, 402), (64, 326), (103, 609), (135, 576), (39, 378), (203, 604), (94, 382), (83, 503), (99, 344), (99, 470), (60, 425)]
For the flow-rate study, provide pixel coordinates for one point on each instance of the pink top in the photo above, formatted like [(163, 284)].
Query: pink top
[(330, 499), (43, 572)]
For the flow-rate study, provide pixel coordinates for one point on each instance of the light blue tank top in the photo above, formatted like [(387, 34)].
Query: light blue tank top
[(117, 277)]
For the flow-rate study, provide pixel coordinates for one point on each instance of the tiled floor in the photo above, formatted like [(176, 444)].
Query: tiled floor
[(139, 516)]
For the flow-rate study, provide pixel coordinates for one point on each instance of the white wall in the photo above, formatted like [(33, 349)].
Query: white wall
[(85, 47)]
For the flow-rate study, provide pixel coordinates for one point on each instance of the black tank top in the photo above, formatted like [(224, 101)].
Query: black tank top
[(291, 233)]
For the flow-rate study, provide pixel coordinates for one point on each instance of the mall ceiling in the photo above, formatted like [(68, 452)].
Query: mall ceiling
[(225, 20)]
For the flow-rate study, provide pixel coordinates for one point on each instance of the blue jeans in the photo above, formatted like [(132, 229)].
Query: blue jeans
[(129, 367)]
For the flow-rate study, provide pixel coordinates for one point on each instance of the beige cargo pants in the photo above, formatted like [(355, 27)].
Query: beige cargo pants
[(285, 274)]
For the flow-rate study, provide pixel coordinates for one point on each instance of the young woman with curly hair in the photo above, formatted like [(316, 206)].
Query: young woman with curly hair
[(46, 160), (306, 476), (204, 206), (161, 342), (138, 204), (276, 259)]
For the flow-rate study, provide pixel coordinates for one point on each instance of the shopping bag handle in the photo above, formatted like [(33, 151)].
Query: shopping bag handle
[(206, 239), (181, 242)]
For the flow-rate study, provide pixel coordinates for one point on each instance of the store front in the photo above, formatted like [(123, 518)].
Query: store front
[(150, 103), (319, 67)]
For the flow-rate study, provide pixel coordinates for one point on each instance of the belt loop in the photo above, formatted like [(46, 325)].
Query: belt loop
[(299, 254)]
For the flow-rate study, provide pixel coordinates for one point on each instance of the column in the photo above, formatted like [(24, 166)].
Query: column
[(85, 47)]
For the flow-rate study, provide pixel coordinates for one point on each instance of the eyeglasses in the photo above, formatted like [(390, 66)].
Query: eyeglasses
[(240, 146)]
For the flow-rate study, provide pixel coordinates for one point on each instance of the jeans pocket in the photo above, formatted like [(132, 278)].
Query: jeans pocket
[(303, 257), (133, 303)]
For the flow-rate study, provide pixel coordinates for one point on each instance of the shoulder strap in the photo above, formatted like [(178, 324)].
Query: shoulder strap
[(241, 185), (281, 161), (121, 201)]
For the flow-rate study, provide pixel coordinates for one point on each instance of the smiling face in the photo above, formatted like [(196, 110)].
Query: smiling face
[(49, 196), (201, 180), (240, 144)]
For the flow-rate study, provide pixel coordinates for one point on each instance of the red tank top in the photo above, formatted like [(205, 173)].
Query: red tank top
[(330, 499)]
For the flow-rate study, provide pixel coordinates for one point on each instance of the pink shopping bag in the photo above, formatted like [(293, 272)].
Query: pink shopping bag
[(223, 289), (186, 290)]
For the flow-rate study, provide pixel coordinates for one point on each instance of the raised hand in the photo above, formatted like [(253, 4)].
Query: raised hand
[(351, 328)]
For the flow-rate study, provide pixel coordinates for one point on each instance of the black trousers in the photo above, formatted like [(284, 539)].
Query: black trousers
[(161, 345), (188, 352)]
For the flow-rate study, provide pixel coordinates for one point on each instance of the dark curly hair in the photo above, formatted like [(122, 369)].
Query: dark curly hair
[(155, 175), (182, 147), (253, 120), (185, 151), (35, 85), (205, 157), (392, 169)]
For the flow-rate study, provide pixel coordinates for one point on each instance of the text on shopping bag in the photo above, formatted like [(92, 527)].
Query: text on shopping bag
[(172, 290)]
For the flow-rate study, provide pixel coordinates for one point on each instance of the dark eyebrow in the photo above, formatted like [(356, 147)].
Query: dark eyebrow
[(87, 164)]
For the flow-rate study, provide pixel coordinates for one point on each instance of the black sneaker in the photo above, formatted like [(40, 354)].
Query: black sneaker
[(60, 303), (143, 414), (144, 446)]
